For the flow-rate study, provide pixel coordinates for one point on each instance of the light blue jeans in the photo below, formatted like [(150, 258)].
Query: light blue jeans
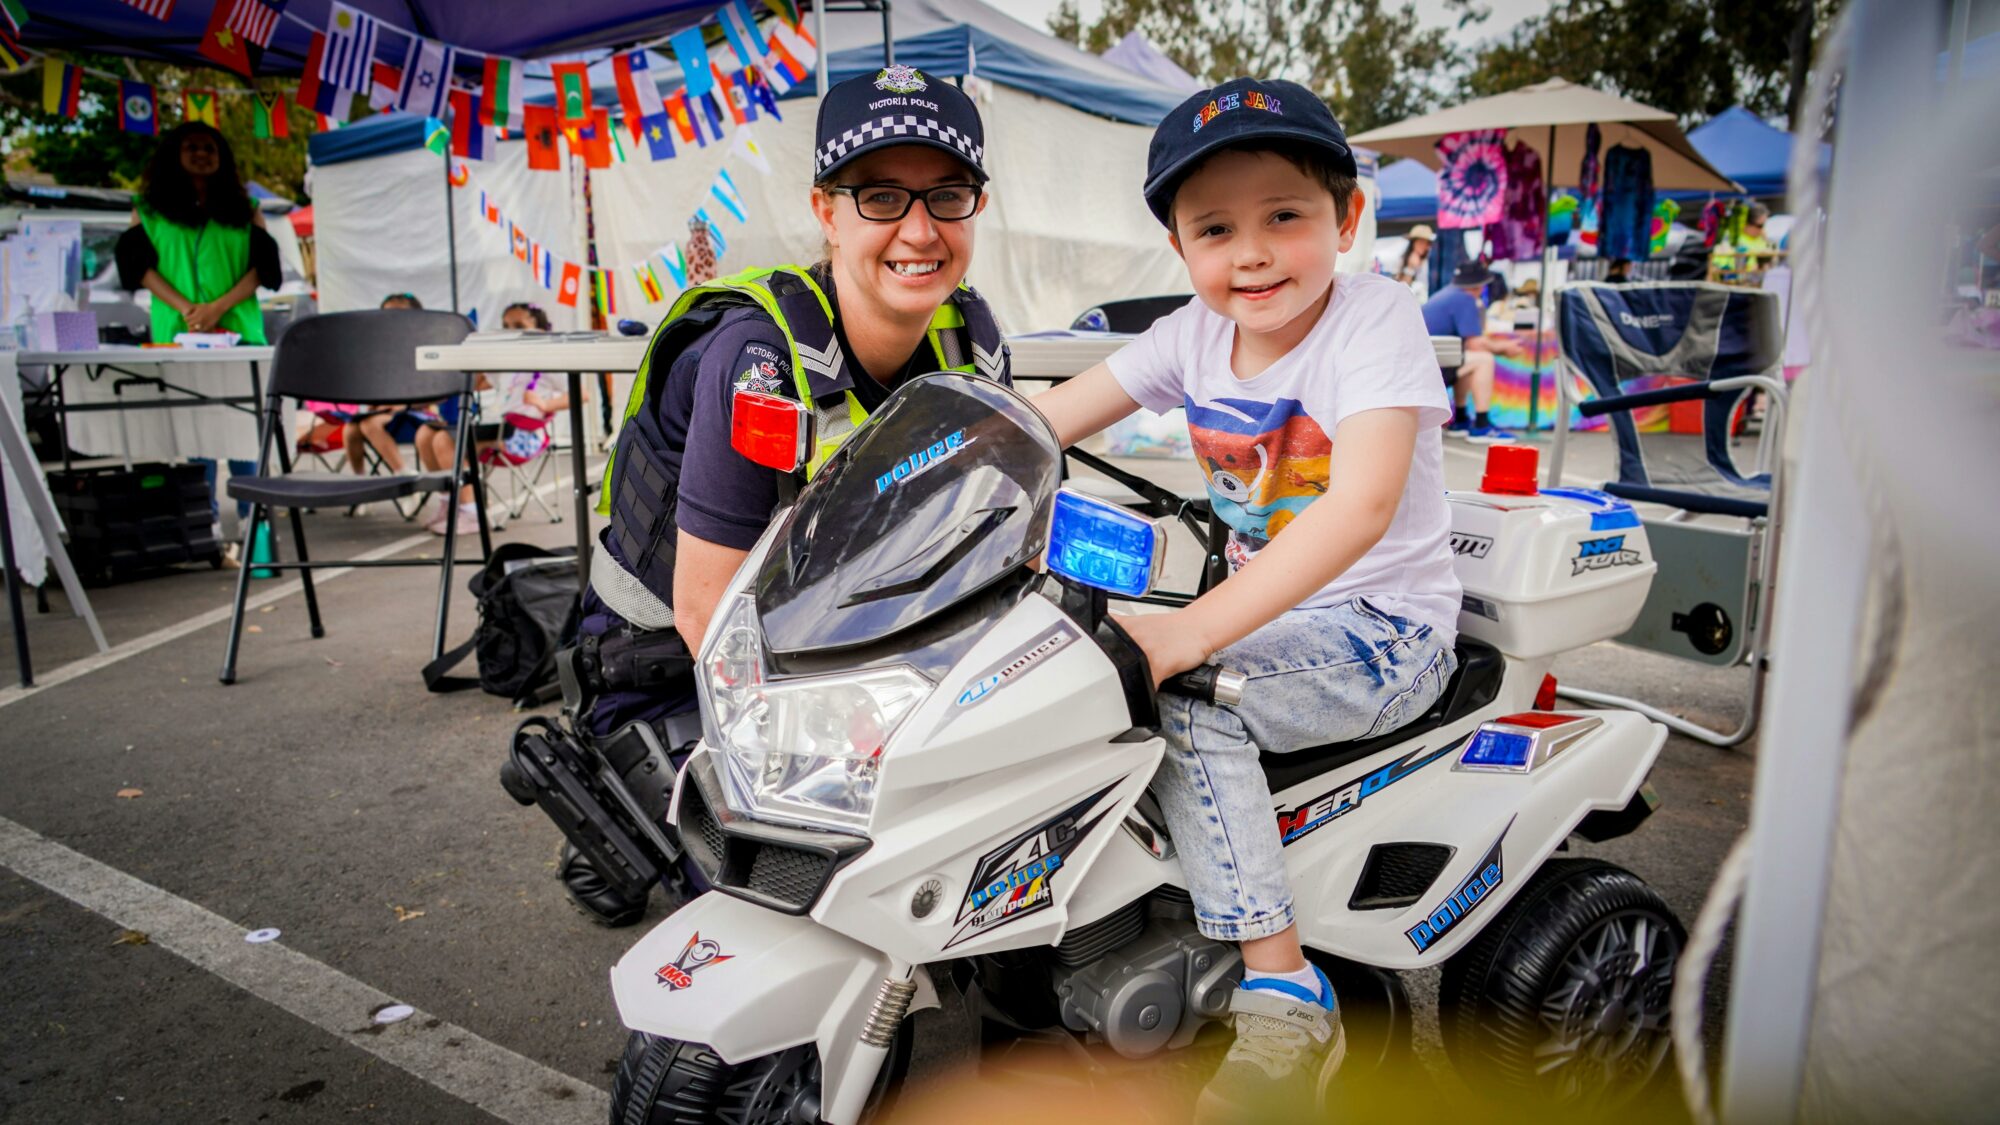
[(1315, 676)]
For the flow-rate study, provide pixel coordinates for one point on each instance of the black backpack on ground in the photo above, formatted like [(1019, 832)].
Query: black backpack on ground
[(528, 606)]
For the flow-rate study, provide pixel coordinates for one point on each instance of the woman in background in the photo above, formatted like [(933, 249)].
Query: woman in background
[(197, 243)]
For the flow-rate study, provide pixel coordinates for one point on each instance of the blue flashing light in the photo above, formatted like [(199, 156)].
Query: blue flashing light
[(1498, 749), (1607, 512), (1101, 544)]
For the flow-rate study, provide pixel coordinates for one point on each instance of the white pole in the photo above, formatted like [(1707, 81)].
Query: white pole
[(819, 33)]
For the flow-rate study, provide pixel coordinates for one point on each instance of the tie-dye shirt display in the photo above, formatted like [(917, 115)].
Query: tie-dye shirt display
[(1472, 183), (1265, 443)]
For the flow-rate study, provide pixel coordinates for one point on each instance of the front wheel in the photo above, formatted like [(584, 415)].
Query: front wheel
[(1565, 995), (673, 1082)]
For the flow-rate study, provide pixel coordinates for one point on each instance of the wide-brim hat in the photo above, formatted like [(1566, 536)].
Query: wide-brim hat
[(1423, 231)]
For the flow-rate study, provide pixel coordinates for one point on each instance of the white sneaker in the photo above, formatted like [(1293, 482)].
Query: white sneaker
[(435, 522)]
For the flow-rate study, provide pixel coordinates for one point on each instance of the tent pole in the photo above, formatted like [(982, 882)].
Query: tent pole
[(451, 230), (1542, 294), (888, 38), (819, 33)]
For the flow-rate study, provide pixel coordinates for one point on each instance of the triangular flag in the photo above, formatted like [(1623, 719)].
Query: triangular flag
[(745, 146), (676, 263), (723, 191)]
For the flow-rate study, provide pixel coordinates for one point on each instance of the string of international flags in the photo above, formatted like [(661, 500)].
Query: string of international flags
[(342, 62), (566, 278)]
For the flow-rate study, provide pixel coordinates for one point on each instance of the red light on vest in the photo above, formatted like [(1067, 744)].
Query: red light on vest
[(770, 430)]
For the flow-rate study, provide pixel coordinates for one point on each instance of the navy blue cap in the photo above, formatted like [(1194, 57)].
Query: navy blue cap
[(899, 105), (1237, 111)]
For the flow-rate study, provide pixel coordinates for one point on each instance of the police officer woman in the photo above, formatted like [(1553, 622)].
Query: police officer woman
[(899, 178)]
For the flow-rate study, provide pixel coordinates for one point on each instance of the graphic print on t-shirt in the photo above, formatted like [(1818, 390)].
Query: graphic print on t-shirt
[(1265, 461)]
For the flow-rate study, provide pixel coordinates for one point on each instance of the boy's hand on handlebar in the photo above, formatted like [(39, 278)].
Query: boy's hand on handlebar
[(1170, 646)]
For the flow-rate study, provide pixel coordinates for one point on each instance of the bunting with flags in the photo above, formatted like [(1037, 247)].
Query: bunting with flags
[(500, 93), (572, 280), (637, 92), (649, 283)]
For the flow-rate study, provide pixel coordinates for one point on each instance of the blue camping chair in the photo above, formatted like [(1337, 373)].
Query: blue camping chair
[(1710, 601)]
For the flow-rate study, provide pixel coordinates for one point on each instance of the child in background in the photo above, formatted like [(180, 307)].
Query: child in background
[(384, 427), (525, 395), (1315, 408)]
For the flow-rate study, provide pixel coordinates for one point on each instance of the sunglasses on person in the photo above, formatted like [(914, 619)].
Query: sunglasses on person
[(887, 203)]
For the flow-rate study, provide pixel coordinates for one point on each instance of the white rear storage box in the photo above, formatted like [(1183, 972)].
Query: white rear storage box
[(1550, 571)]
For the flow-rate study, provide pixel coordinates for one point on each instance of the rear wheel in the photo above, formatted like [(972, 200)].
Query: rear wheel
[(1565, 996)]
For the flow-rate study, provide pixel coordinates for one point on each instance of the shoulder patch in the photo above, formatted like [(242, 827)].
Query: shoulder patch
[(762, 369)]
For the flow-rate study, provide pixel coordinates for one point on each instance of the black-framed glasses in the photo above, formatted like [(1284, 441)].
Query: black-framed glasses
[(887, 203)]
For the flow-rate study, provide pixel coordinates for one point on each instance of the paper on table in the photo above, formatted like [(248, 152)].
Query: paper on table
[(208, 339)]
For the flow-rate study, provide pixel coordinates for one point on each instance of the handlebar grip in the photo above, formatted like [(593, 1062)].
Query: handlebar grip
[(1210, 683)]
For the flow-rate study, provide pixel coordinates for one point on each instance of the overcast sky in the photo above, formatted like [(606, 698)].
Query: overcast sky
[(1506, 13)]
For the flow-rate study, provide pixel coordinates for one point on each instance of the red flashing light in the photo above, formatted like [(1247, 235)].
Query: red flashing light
[(1545, 696), (770, 430), (1539, 720), (1511, 470)]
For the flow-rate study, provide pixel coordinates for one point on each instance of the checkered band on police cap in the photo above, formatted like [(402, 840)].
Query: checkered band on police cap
[(900, 105)]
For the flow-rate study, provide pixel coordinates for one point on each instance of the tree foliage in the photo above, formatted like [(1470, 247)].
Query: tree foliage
[(1373, 63), (90, 150), (1692, 58)]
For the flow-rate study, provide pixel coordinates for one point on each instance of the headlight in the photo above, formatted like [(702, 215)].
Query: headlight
[(806, 751)]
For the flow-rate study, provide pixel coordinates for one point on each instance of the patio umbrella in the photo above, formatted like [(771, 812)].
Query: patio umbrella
[(1552, 117)]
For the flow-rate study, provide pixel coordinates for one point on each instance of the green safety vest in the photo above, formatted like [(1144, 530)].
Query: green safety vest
[(969, 344), (202, 263)]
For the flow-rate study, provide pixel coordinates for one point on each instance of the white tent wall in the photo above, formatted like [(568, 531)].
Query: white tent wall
[(380, 229), (1065, 229)]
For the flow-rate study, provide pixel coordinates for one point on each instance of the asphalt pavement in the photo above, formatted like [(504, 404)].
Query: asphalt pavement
[(148, 813)]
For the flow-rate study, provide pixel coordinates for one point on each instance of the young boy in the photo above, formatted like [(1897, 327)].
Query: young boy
[(1315, 408)]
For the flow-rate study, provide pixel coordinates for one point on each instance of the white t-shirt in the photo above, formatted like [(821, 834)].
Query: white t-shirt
[(1264, 443)]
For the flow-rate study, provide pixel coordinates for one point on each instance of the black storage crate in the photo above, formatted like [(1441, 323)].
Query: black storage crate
[(123, 522)]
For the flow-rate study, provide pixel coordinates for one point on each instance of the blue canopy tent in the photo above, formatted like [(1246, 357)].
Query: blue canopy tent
[(1409, 192)]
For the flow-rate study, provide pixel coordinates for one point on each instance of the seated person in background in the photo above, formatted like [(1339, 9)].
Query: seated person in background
[(386, 427), (524, 395), (1459, 310)]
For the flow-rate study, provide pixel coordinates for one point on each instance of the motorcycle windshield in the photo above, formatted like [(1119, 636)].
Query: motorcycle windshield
[(944, 490)]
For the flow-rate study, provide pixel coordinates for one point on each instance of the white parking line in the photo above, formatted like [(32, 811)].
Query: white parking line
[(158, 637), (477, 1071), (16, 693)]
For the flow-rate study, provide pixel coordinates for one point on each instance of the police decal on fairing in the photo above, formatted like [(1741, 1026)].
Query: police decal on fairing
[(1016, 663), (922, 461), (1295, 824), (1486, 878), (1018, 878)]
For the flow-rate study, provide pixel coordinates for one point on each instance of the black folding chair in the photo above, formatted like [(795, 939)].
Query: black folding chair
[(367, 357)]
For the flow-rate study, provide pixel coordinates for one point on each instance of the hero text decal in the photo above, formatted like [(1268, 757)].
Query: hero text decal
[(1295, 824)]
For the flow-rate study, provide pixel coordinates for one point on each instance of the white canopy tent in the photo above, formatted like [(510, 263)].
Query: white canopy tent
[(1065, 229), (380, 226)]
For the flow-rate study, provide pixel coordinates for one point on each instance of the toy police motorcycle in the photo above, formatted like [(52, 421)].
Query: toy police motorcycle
[(924, 766)]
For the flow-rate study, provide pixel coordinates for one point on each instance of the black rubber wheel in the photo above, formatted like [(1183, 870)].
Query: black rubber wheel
[(670, 1082), (1565, 996)]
